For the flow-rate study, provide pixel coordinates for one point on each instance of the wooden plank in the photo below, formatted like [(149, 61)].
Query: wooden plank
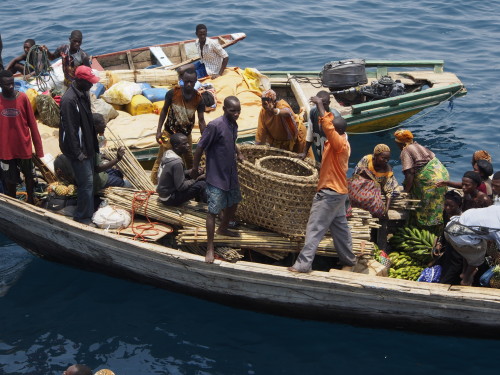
[(130, 61), (182, 50), (302, 100)]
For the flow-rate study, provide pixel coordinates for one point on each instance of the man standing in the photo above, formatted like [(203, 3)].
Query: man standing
[(212, 55), (174, 188), (328, 209), (315, 135), (78, 139), (181, 105), (18, 129), (223, 189), (72, 56)]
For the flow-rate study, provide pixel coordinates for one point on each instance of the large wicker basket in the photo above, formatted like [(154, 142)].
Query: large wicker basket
[(277, 189)]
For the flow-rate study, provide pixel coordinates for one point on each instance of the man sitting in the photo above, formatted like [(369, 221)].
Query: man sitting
[(174, 185)]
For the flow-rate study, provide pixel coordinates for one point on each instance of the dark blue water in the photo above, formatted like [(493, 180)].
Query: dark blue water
[(53, 315)]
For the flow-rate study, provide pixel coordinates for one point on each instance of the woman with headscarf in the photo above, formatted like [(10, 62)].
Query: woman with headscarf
[(279, 126), (422, 170), (379, 179)]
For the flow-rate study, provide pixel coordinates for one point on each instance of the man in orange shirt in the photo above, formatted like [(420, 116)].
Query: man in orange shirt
[(328, 209)]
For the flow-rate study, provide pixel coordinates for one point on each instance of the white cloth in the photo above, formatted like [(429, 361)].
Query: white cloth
[(212, 56), (487, 217), (496, 200)]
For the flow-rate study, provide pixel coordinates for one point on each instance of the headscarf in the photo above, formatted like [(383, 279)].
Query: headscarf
[(481, 155), (381, 148), (485, 167), (474, 176), (269, 94), (404, 136)]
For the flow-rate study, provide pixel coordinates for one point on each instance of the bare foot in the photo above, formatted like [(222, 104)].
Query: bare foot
[(347, 268), (468, 276), (210, 256), (228, 233), (291, 269)]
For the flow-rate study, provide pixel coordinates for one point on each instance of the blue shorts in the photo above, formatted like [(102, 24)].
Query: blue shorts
[(219, 199)]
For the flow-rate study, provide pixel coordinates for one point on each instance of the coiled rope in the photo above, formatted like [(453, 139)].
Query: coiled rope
[(38, 66)]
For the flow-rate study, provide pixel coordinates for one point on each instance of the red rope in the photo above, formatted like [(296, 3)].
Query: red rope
[(141, 202)]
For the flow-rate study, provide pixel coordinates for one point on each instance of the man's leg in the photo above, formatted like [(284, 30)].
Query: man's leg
[(194, 191), (339, 229), (154, 171), (84, 177), (317, 225), (26, 166), (210, 256), (227, 215)]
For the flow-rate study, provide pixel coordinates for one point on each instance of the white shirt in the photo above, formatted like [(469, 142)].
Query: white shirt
[(212, 57), (487, 217)]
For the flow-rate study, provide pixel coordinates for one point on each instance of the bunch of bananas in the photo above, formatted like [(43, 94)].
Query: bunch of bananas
[(416, 242), (399, 260), (407, 273)]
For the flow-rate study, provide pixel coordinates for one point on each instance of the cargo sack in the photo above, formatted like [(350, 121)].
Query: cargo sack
[(366, 194), (48, 110), (105, 109), (111, 218), (121, 92)]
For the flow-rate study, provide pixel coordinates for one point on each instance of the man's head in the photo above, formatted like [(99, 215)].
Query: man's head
[(470, 181), (232, 108), (189, 79), (325, 98), (7, 83), (28, 43), (201, 32), (340, 124), (78, 370), (452, 203), (269, 98), (495, 183), (85, 78), (99, 123), (75, 40), (180, 143)]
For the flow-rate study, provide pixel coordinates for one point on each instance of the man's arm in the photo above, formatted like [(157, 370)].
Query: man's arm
[(225, 60), (196, 162), (15, 60), (70, 121), (33, 126), (163, 116), (201, 118), (111, 163)]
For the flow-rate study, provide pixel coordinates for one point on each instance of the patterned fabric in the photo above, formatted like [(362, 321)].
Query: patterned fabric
[(431, 197), (366, 194), (71, 61), (481, 155), (380, 148), (219, 199), (431, 274), (386, 180), (181, 113), (212, 55), (415, 156), (270, 94)]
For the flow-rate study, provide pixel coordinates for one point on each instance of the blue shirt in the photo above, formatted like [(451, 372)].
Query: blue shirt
[(219, 142)]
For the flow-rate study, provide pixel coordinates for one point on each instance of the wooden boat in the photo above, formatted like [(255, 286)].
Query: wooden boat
[(168, 55), (335, 296), (426, 85)]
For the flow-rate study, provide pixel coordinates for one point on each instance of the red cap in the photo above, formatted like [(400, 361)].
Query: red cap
[(86, 73)]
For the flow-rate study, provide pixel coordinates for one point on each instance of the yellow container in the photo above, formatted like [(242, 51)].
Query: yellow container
[(139, 105), (32, 94), (158, 106)]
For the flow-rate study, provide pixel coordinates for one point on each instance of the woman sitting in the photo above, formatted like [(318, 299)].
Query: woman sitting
[(422, 170), (378, 179)]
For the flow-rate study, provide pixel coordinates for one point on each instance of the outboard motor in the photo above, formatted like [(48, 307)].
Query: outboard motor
[(384, 88), (342, 75)]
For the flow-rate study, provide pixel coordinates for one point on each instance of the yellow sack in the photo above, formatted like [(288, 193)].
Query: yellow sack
[(32, 94), (256, 80), (121, 92)]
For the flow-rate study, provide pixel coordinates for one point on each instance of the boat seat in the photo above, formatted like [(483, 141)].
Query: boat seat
[(163, 60)]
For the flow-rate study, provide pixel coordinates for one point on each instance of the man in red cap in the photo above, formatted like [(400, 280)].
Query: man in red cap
[(78, 140)]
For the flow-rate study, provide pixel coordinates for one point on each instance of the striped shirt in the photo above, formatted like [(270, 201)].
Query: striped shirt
[(212, 55)]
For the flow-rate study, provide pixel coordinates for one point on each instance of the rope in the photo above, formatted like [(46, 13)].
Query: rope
[(38, 66), (140, 200)]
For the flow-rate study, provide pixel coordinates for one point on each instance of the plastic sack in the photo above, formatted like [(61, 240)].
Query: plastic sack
[(256, 80), (48, 110), (97, 89), (111, 218), (105, 109), (485, 278), (121, 92)]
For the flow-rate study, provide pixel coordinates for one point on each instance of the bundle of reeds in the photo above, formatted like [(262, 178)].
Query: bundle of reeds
[(156, 77), (129, 164), (403, 202)]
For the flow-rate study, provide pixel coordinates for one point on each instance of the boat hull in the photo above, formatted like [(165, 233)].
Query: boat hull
[(335, 296)]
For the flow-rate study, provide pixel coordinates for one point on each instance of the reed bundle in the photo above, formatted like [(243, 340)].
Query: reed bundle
[(403, 202), (129, 164), (155, 77)]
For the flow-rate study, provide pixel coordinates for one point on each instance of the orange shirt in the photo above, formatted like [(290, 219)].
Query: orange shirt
[(335, 161)]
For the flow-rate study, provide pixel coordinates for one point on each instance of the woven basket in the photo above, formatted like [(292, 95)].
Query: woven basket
[(277, 189)]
